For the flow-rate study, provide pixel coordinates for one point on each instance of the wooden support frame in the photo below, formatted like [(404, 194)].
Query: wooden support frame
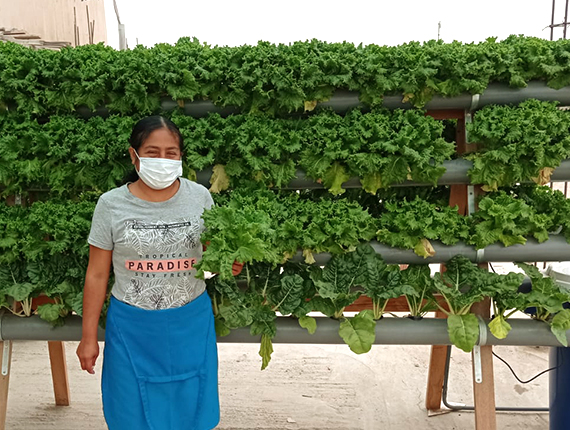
[(436, 374), (457, 197), (56, 351), (485, 417), (59, 373), (484, 392), (394, 305), (4, 381)]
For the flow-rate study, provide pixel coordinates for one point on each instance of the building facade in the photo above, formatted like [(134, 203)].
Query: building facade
[(79, 22)]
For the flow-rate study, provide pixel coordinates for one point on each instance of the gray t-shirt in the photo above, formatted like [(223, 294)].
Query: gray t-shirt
[(155, 244)]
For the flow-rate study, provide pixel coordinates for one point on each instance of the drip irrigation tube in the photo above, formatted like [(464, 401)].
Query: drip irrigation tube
[(389, 331)]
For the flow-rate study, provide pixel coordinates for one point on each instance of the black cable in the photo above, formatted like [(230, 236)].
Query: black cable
[(509, 366), (534, 377), (497, 408), (472, 407)]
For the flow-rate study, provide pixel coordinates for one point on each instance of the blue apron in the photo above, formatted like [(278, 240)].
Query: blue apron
[(160, 367)]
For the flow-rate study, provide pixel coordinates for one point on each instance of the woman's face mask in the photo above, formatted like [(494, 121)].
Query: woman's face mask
[(159, 173)]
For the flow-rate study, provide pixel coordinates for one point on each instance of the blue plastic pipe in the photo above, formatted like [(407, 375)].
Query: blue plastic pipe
[(559, 386)]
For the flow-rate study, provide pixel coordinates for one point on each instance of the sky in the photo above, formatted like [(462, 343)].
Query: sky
[(382, 22)]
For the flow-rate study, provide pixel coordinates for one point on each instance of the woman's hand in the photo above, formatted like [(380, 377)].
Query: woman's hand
[(88, 351), (237, 268)]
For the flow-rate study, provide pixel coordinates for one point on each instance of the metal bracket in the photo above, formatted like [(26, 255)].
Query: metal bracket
[(474, 102), (480, 255), (470, 199), (2, 313), (469, 114), (6, 357), (482, 331), (477, 368)]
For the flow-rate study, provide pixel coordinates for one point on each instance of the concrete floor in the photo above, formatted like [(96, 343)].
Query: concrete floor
[(309, 387)]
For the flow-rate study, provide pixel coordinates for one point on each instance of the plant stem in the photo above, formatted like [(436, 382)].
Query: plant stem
[(377, 309), (247, 275), (266, 283), (27, 306), (410, 305), (282, 300)]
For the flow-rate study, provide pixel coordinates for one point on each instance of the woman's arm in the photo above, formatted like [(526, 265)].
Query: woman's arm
[(95, 290)]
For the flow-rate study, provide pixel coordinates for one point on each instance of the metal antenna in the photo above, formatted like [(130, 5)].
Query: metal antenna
[(562, 24), (119, 19), (122, 38)]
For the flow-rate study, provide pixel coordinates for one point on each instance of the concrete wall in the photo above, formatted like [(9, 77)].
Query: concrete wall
[(56, 20)]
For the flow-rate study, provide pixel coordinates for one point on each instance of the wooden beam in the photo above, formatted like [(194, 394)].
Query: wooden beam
[(484, 392), (461, 138), (399, 304), (446, 113), (457, 197), (4, 383), (436, 374), (59, 373)]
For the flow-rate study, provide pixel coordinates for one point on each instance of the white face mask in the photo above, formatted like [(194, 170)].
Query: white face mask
[(159, 173)]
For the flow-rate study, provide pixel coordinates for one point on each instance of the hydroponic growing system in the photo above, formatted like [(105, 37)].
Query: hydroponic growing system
[(331, 164)]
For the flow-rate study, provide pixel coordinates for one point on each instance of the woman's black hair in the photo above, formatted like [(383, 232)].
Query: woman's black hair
[(141, 132)]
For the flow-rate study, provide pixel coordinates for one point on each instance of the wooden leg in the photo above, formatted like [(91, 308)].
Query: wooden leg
[(436, 373), (59, 373), (484, 392), (4, 380)]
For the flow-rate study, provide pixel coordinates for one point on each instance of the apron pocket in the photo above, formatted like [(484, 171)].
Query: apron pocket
[(161, 394)]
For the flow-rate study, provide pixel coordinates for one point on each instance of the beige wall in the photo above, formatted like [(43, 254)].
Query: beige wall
[(53, 20)]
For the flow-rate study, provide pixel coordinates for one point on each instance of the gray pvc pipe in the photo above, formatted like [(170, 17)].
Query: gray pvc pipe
[(343, 100), (389, 331), (502, 94), (199, 108), (203, 177), (554, 249), (496, 93), (456, 173), (405, 331), (562, 172)]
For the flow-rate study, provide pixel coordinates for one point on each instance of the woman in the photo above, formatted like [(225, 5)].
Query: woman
[(160, 366)]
